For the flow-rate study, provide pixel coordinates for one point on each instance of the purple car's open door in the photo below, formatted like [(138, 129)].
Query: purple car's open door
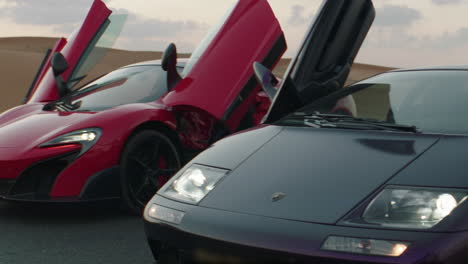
[(80, 50), (325, 59), (219, 78)]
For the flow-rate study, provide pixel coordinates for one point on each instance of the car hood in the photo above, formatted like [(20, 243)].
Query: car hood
[(29, 126), (322, 173), (443, 166)]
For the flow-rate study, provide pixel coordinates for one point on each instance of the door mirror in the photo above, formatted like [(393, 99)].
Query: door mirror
[(169, 64), (169, 58), (59, 64), (266, 79)]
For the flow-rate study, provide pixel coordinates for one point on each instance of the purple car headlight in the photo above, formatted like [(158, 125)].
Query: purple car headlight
[(416, 208)]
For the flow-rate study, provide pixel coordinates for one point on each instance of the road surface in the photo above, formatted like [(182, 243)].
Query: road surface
[(58, 234)]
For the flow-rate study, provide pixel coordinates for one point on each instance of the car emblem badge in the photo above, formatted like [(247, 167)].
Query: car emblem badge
[(278, 196)]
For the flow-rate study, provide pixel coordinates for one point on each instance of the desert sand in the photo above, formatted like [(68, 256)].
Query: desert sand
[(21, 58)]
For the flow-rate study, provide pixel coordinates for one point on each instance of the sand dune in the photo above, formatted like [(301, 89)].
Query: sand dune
[(21, 57)]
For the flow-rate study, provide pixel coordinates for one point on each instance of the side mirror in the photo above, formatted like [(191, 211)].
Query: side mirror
[(169, 64), (59, 66), (266, 79)]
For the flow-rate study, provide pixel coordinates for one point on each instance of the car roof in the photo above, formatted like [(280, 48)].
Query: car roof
[(180, 63), (436, 68)]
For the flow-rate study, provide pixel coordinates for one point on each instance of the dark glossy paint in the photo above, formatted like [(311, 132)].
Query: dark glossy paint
[(273, 240), (444, 165), (328, 177), (315, 169), (240, 147)]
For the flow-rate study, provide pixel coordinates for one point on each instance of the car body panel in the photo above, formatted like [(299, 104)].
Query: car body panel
[(233, 235), (42, 71), (73, 49), (225, 90), (53, 124), (251, 140), (108, 149), (315, 190), (443, 166), (14, 160), (323, 63)]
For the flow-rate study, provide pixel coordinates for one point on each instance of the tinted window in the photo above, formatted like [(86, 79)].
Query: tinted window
[(138, 84), (433, 101), (98, 47), (200, 50)]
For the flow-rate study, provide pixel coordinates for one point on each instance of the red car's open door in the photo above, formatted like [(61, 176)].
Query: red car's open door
[(81, 50), (219, 78), (325, 59)]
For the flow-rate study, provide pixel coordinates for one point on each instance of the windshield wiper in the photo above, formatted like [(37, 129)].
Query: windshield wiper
[(349, 122)]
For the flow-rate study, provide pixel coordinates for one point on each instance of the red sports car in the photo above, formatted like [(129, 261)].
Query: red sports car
[(125, 133)]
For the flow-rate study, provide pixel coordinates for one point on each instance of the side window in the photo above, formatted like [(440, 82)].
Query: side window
[(99, 47), (200, 50)]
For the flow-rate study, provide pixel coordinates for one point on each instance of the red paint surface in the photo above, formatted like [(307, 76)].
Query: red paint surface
[(13, 161), (193, 109), (226, 66), (46, 89), (49, 81), (117, 125)]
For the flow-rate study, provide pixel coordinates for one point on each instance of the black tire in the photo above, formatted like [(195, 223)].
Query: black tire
[(149, 159)]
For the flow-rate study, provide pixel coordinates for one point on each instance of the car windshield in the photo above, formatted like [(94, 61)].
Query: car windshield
[(138, 84), (431, 100)]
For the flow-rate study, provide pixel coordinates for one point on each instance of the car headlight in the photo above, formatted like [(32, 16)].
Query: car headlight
[(158, 212), (365, 246), (417, 208), (194, 183), (85, 137)]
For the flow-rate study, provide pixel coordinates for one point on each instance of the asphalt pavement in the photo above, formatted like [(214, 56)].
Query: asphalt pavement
[(58, 234)]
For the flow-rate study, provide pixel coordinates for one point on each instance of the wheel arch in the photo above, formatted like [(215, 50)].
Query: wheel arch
[(159, 126)]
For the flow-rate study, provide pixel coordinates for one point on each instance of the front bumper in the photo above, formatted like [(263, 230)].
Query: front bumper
[(36, 182), (5, 186), (213, 236)]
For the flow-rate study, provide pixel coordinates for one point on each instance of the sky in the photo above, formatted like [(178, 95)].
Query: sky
[(405, 34)]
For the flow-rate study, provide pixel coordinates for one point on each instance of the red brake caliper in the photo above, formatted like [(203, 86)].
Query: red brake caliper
[(162, 164)]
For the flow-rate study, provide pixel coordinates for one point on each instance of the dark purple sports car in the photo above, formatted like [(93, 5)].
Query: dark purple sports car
[(372, 173)]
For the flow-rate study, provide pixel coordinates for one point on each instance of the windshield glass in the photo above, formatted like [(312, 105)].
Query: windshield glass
[(139, 84), (97, 49), (200, 50), (432, 101)]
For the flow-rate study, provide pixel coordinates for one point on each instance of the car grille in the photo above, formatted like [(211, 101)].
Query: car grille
[(217, 257), (5, 186), (40, 177), (226, 253)]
